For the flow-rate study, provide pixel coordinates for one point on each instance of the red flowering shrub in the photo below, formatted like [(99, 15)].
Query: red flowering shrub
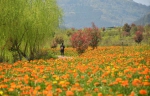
[(84, 38), (138, 37), (80, 40), (95, 36)]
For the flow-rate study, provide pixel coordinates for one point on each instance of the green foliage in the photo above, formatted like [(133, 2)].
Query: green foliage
[(59, 39), (45, 54), (54, 44), (70, 32), (112, 36), (147, 28), (133, 29), (27, 24), (126, 28)]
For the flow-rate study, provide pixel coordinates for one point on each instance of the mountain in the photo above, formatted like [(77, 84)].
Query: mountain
[(104, 13), (144, 20)]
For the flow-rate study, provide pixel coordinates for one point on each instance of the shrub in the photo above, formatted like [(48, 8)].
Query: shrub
[(94, 35), (69, 33), (126, 28), (103, 29), (138, 37), (44, 54), (133, 30), (59, 39), (80, 40)]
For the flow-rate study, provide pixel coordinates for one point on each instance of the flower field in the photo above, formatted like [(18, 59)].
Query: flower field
[(105, 71)]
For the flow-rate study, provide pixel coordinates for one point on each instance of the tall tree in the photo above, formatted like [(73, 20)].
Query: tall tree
[(94, 34), (26, 24)]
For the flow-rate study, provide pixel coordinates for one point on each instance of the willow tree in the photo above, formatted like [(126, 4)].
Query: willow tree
[(26, 25)]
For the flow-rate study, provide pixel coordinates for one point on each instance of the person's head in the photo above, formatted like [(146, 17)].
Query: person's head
[(62, 43)]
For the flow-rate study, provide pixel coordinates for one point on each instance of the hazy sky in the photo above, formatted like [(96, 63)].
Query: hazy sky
[(145, 2)]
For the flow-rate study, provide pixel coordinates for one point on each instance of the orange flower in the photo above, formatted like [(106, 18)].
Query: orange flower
[(132, 93), (49, 93), (77, 84), (26, 81), (58, 90), (26, 77), (96, 89), (125, 83), (80, 89), (25, 93), (145, 72), (13, 85), (128, 75), (97, 84), (11, 89), (104, 81), (147, 77), (35, 92), (126, 71), (3, 86), (136, 82), (120, 95), (73, 89), (113, 83), (82, 77), (100, 94), (146, 83), (37, 88), (49, 87), (45, 92), (69, 93), (118, 79), (143, 92)]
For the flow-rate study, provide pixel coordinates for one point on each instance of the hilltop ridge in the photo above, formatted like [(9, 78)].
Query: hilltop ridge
[(104, 13)]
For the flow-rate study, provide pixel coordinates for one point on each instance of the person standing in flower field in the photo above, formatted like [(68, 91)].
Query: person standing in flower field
[(62, 47)]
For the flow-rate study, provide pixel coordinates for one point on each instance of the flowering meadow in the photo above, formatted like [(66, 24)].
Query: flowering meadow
[(105, 71)]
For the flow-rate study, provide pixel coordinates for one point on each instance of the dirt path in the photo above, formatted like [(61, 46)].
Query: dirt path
[(64, 57)]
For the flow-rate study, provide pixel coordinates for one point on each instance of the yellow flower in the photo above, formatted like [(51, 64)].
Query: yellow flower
[(44, 77), (54, 76), (54, 82), (57, 78), (1, 92), (74, 70), (120, 74), (61, 82)]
